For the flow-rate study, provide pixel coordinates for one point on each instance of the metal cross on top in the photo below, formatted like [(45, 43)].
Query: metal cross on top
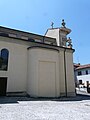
[(52, 24)]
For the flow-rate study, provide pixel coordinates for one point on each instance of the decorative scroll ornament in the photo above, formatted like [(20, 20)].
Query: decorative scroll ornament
[(69, 41)]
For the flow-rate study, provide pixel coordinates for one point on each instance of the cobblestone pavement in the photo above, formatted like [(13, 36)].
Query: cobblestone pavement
[(25, 108)]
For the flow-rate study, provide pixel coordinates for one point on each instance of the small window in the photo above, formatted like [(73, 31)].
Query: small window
[(37, 40), (86, 72), (24, 37), (80, 81), (79, 73)]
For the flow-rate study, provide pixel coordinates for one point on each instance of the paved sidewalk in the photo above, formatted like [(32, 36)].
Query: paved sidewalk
[(25, 108)]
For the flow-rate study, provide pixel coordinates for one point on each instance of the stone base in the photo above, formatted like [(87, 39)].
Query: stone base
[(69, 94), (16, 94)]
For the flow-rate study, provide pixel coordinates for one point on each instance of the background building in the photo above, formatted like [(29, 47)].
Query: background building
[(82, 74)]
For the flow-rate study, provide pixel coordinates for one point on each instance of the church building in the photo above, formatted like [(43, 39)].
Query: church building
[(40, 66)]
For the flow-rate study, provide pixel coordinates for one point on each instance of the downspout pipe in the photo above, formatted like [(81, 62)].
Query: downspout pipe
[(65, 73)]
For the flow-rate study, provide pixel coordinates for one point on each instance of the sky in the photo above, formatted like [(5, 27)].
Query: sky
[(35, 16)]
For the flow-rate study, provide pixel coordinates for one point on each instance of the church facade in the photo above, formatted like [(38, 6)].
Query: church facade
[(40, 66)]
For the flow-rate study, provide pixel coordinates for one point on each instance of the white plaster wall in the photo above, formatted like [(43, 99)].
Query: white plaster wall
[(84, 78), (37, 58), (53, 33), (70, 73), (32, 84), (17, 66), (47, 79), (61, 73)]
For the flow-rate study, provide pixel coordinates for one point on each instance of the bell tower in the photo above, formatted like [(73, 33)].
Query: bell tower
[(60, 34)]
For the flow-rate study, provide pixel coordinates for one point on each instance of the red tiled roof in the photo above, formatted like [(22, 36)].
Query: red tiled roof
[(83, 66), (76, 65)]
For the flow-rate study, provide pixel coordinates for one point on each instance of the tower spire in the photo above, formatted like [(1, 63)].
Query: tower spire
[(63, 23)]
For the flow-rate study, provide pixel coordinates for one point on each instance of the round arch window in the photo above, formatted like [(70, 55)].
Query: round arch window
[(4, 59)]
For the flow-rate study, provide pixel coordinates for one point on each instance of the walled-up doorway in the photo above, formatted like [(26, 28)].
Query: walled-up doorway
[(47, 77), (3, 86)]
